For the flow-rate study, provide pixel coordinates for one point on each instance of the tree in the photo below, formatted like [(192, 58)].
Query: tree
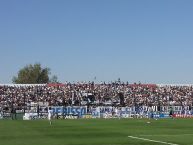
[(32, 74), (54, 79)]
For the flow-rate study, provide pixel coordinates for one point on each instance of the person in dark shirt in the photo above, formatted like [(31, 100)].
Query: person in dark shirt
[(13, 114), (171, 112)]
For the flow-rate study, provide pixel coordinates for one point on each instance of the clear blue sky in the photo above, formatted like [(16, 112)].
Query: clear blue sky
[(136, 40)]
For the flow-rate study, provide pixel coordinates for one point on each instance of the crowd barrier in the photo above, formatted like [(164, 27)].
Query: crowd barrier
[(75, 112), (183, 116)]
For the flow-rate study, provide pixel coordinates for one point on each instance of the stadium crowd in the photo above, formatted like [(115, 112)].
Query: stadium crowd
[(112, 94)]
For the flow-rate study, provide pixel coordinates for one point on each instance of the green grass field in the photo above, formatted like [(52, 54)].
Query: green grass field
[(96, 132)]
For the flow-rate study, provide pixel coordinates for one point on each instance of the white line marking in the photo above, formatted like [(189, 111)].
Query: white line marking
[(165, 135), (151, 140)]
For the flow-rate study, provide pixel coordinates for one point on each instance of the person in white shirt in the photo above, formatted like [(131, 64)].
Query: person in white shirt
[(50, 115), (119, 113), (1, 114), (116, 112)]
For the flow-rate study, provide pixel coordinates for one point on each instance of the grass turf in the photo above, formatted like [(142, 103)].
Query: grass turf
[(96, 132)]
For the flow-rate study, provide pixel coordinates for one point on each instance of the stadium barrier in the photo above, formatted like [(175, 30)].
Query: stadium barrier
[(75, 112), (182, 116), (40, 111)]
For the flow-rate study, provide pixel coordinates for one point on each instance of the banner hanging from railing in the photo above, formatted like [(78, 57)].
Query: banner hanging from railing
[(70, 110)]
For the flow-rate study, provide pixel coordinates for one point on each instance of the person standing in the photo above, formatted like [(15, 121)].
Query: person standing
[(13, 113), (50, 115), (171, 113), (120, 113)]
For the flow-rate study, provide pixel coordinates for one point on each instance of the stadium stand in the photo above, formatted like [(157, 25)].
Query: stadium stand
[(90, 94)]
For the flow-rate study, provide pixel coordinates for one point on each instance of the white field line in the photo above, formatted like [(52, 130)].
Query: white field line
[(165, 134), (145, 139)]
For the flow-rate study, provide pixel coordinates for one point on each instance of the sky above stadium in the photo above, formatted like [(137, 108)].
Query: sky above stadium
[(81, 40)]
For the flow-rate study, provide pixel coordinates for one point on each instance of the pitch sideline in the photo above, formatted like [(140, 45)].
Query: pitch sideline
[(145, 139), (166, 135)]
